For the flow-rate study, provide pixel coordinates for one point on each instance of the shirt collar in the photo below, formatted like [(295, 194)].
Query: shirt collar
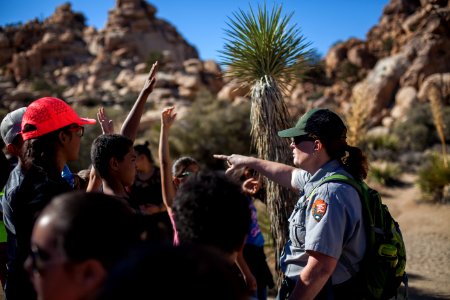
[(330, 166)]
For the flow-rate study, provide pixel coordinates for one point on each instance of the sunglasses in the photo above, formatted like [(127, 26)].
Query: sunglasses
[(185, 174), (79, 130), (302, 138)]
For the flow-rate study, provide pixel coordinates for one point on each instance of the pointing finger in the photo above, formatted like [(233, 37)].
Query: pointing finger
[(221, 156)]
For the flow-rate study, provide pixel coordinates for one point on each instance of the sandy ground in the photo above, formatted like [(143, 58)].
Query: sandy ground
[(426, 231)]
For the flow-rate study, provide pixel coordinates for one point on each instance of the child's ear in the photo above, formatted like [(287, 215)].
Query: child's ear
[(64, 137), (317, 145), (176, 180), (113, 163), (90, 275)]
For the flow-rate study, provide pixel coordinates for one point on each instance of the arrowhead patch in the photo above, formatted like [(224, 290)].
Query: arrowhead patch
[(319, 209)]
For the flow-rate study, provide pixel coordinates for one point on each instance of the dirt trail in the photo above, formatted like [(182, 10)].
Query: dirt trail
[(426, 231)]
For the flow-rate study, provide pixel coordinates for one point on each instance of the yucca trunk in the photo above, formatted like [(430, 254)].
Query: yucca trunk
[(268, 115)]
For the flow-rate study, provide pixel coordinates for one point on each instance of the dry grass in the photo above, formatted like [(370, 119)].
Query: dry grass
[(357, 119), (436, 109)]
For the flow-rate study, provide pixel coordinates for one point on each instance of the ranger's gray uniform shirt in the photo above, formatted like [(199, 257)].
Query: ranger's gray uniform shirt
[(329, 222)]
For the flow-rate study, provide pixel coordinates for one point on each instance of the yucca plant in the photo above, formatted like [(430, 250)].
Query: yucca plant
[(262, 51), (436, 109), (357, 119)]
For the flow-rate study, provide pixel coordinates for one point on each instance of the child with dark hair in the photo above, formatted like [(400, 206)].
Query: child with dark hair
[(113, 157), (182, 168), (146, 192), (72, 252), (172, 176), (51, 131), (210, 209)]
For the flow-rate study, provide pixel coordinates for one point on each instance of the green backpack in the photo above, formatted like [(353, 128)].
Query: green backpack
[(383, 267)]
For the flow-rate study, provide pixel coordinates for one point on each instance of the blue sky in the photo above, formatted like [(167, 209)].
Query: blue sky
[(202, 22)]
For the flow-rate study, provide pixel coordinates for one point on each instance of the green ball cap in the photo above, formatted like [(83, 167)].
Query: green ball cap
[(300, 127)]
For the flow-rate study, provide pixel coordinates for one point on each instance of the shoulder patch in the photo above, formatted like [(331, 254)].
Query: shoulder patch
[(319, 209)]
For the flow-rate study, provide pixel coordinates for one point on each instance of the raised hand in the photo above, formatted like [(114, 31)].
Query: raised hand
[(131, 124), (168, 116), (251, 186), (151, 79), (105, 123)]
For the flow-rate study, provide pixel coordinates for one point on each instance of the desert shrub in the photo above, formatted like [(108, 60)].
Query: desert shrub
[(212, 127), (434, 178), (153, 57), (315, 95), (410, 161), (40, 84), (418, 132), (384, 172), (381, 146), (347, 72), (388, 44), (79, 17), (13, 25), (314, 69)]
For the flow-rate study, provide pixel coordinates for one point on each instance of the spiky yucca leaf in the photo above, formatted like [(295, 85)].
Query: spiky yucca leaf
[(263, 44)]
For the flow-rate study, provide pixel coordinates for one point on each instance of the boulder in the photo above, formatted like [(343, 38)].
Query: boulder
[(360, 56), (233, 90), (188, 81), (334, 57), (193, 66), (379, 87), (432, 56), (404, 101)]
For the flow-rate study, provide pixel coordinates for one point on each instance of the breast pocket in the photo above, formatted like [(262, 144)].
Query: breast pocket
[(297, 231)]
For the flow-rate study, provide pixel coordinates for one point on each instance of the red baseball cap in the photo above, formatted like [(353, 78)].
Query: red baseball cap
[(49, 114)]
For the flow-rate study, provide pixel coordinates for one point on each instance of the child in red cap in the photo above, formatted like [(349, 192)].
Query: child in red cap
[(51, 131)]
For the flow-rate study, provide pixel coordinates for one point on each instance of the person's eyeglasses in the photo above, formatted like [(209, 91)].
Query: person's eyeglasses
[(302, 138), (185, 174), (79, 130), (41, 259), (38, 259)]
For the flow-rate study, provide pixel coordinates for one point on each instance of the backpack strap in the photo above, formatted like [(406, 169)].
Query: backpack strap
[(353, 183), (361, 188)]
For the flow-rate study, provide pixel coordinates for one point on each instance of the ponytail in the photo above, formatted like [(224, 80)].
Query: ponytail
[(352, 158), (355, 162)]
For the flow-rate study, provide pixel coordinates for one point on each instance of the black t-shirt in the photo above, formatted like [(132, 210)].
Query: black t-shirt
[(34, 193), (147, 191)]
